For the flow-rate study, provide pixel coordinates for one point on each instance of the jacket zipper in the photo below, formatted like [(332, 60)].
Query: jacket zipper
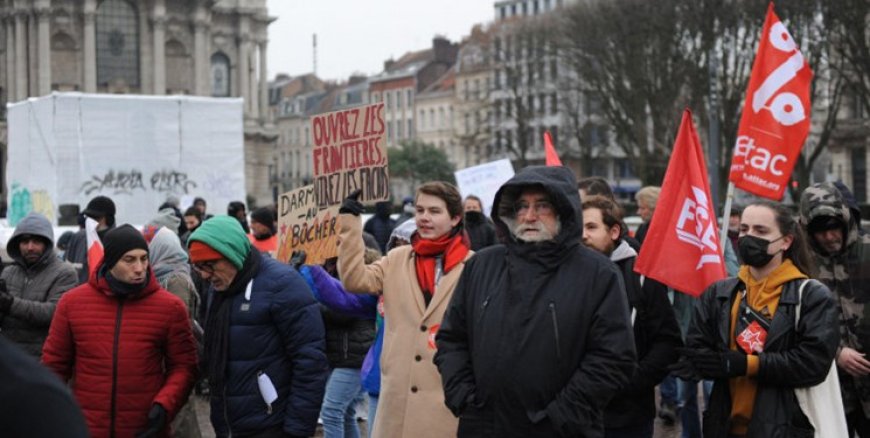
[(483, 309), (555, 329), (344, 345), (115, 365)]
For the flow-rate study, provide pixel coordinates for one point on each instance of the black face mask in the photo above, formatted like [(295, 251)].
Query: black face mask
[(753, 250)]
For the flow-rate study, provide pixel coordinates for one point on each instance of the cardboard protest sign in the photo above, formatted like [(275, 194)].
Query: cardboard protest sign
[(350, 153), (302, 225)]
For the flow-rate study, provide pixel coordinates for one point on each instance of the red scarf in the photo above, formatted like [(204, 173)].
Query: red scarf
[(454, 248)]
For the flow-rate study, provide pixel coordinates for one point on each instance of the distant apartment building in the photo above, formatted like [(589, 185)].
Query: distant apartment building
[(294, 102), (474, 85)]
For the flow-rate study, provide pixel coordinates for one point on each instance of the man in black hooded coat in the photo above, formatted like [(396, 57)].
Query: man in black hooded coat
[(537, 338)]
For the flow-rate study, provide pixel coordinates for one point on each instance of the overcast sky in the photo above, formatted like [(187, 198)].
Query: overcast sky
[(359, 35)]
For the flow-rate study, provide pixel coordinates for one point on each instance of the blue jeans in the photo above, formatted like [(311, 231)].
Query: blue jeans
[(668, 390), (373, 410), (689, 413), (644, 430), (337, 411)]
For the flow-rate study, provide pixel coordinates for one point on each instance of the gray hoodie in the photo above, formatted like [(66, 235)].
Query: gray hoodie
[(37, 288)]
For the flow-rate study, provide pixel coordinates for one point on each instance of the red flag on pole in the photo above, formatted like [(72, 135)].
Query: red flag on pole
[(550, 152), (682, 248), (776, 114), (95, 246)]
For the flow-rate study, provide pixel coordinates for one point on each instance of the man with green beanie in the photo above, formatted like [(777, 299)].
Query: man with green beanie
[(262, 321)]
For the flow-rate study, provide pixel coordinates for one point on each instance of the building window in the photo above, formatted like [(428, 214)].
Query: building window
[(441, 120), (410, 128), (400, 130), (389, 99), (399, 102), (431, 118), (409, 97), (220, 75), (117, 28)]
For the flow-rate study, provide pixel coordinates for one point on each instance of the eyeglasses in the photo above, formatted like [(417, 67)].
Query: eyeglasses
[(204, 267), (541, 208)]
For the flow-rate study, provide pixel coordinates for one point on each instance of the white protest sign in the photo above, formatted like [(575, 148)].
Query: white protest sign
[(484, 180), (67, 148)]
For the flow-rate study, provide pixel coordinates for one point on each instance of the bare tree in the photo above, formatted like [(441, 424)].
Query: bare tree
[(640, 57)]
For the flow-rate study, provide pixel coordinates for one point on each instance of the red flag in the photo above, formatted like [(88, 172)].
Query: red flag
[(776, 114), (550, 151), (681, 248), (95, 247)]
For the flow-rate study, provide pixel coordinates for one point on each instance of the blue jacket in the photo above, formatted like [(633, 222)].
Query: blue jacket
[(278, 332), (332, 294)]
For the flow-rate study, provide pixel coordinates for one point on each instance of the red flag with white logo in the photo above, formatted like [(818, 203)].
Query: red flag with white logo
[(682, 248), (776, 114), (552, 158), (95, 246)]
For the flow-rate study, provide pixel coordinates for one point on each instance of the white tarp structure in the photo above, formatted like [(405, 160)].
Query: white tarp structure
[(67, 148), (484, 180)]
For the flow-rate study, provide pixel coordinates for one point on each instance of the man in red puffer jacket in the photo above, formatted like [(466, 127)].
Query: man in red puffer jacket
[(126, 342)]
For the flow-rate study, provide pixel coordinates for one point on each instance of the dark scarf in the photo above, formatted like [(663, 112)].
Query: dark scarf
[(217, 325), (452, 247), (122, 289)]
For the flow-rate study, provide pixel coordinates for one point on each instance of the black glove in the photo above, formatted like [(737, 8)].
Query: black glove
[(156, 422), (6, 298), (685, 370), (351, 204), (719, 365), (297, 258)]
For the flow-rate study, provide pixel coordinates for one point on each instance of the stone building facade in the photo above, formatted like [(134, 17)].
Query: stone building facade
[(156, 47)]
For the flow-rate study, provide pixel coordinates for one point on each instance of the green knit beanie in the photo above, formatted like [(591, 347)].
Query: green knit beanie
[(225, 235)]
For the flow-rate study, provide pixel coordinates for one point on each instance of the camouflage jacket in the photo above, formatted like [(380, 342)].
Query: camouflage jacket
[(847, 274)]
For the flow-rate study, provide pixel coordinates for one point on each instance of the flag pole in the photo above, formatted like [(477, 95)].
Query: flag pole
[(726, 213)]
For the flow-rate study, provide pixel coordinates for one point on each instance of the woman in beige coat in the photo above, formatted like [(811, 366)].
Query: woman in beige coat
[(417, 281)]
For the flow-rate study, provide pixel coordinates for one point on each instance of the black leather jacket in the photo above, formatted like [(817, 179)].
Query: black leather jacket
[(791, 358)]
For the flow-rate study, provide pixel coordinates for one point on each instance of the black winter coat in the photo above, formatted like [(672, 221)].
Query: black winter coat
[(537, 338), (656, 339), (791, 358), (347, 339), (481, 231)]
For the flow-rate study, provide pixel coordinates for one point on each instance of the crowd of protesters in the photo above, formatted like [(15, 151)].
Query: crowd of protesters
[(529, 322)]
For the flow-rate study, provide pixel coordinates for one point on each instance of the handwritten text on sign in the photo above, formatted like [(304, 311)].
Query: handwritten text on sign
[(304, 226), (349, 154)]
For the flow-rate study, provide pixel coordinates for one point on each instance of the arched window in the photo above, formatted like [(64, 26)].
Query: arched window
[(179, 68), (117, 42), (220, 75)]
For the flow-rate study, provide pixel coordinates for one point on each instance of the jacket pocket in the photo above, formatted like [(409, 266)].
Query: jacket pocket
[(555, 321)]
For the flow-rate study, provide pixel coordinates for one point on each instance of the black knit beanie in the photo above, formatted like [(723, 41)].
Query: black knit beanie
[(118, 241), (264, 216)]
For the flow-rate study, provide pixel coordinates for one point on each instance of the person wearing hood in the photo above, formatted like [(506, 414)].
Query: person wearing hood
[(381, 225), (480, 228), (843, 257), (408, 210), (165, 219), (34, 283), (632, 411), (265, 356), (263, 235), (124, 342), (762, 334), (102, 210), (416, 282), (169, 263), (192, 220), (537, 338)]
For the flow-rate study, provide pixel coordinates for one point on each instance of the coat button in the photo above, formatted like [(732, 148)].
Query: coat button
[(414, 389), (418, 358), (423, 328)]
